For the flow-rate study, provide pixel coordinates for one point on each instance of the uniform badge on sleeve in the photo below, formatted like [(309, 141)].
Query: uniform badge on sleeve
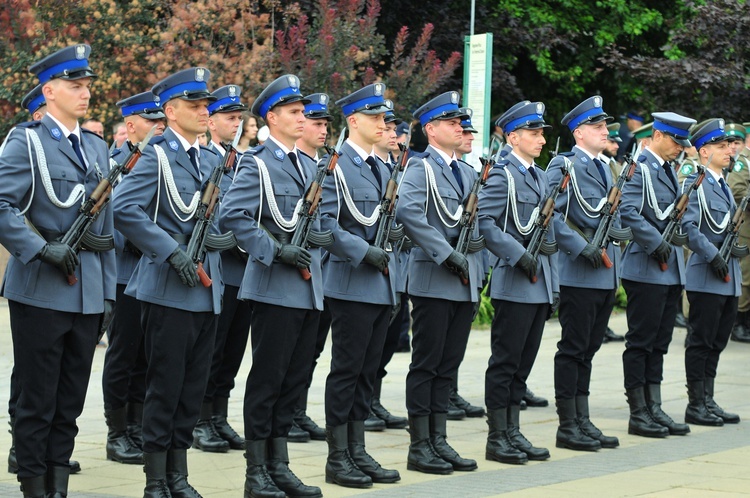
[(687, 169), (738, 166)]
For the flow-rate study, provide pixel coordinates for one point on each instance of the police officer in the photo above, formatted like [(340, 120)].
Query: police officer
[(713, 284), (609, 154), (124, 373), (587, 287), (653, 289), (154, 210), (213, 433), (313, 138), (508, 207), (359, 291), (739, 181), (433, 189), (260, 208), (55, 321)]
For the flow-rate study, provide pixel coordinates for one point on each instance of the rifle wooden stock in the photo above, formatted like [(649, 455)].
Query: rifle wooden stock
[(680, 206)]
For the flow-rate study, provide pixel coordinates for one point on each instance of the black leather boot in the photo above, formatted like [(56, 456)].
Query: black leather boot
[(223, 429), (422, 455), (454, 412), (469, 409), (588, 428), (569, 433), (277, 464), (205, 437), (135, 424), (177, 473), (653, 400), (120, 448), (499, 447), (713, 407), (155, 467), (12, 461), (641, 421), (340, 468), (741, 329), (438, 436), (363, 460), (57, 481), (33, 487), (518, 440), (376, 407), (258, 483), (697, 412), (533, 400), (304, 422)]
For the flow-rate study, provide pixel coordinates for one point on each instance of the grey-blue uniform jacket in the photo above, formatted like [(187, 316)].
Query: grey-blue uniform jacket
[(232, 267), (29, 280), (428, 277), (142, 196), (346, 275), (127, 260), (401, 257), (264, 280), (506, 242), (637, 263), (575, 271), (705, 243)]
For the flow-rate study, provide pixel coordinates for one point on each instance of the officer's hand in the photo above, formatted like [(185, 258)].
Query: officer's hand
[(527, 263), (59, 255), (663, 252), (182, 264), (107, 316), (555, 304), (294, 256), (457, 263), (593, 255), (720, 267), (377, 257)]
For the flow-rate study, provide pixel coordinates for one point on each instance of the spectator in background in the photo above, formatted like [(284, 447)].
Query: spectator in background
[(119, 135), (94, 125), (249, 136)]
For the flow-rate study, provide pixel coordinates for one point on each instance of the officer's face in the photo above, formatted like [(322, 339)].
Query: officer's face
[(665, 146), (369, 127), (527, 143), (734, 147), (592, 137), (466, 139), (612, 148), (287, 122), (224, 125), (188, 117), (445, 133), (315, 133), (389, 142), (719, 153), (138, 127), (68, 99)]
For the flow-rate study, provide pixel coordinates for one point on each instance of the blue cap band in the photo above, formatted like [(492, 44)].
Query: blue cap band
[(190, 86), (222, 102), (360, 104), (631, 115), (35, 104), (678, 132), (47, 74), (276, 98), (129, 110), (523, 119), (427, 116), (718, 132), (583, 117), (315, 107)]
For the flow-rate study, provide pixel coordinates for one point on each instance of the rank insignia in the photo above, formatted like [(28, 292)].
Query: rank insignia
[(439, 160), (279, 154), (357, 160), (710, 180), (173, 145), (56, 133)]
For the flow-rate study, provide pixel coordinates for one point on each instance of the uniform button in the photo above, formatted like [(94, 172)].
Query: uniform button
[(367, 196), (63, 174), (348, 260), (507, 258), (434, 254), (261, 257), (153, 255), (18, 254), (286, 190)]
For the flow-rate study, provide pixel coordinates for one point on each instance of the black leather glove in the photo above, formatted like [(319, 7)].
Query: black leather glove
[(377, 257), (457, 263), (59, 255), (181, 263), (720, 267), (475, 309), (593, 255), (293, 255), (527, 263), (662, 252), (107, 316), (555, 304)]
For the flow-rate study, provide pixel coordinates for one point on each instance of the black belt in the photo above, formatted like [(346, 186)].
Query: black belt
[(214, 242), (89, 242)]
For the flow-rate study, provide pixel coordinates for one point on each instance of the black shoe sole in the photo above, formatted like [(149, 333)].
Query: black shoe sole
[(126, 461), (706, 423), (511, 461), (211, 450), (655, 435), (567, 446), (331, 480)]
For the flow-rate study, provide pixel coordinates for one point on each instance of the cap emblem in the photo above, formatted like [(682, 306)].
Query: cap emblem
[(80, 52), (454, 97)]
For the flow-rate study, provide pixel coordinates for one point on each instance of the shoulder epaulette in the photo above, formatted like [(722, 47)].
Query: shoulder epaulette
[(115, 152), (84, 130), (502, 163), (414, 153), (256, 149), (208, 149), (156, 140), (28, 124), (567, 154), (305, 154)]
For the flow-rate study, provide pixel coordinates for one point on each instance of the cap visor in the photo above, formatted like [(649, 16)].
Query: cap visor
[(152, 115), (197, 96), (680, 141), (86, 72)]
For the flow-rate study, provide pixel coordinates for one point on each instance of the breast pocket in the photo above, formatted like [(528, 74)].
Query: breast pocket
[(664, 200), (526, 204), (185, 183), (366, 199), (450, 198), (287, 195), (64, 180)]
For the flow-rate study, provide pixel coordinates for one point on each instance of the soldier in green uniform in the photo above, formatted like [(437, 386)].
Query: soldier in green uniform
[(739, 181)]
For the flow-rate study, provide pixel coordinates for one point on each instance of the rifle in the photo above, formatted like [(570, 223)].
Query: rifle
[(78, 234), (206, 210), (465, 243), (387, 233), (554, 153), (670, 235), (606, 231), (729, 246), (538, 242), (303, 235)]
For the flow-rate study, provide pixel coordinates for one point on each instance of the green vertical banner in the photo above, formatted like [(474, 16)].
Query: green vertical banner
[(477, 92)]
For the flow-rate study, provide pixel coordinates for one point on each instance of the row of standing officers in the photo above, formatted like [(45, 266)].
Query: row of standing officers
[(168, 370)]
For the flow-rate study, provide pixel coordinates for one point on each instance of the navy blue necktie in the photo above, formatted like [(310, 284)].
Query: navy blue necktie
[(193, 153), (77, 148), (670, 174), (457, 174), (533, 173), (600, 167), (725, 189), (293, 158), (374, 168)]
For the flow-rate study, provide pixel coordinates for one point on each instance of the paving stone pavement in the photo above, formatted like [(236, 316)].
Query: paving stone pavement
[(709, 462)]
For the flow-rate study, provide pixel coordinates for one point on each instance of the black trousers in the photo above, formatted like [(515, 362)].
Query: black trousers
[(711, 317), (232, 332), (124, 373), (357, 335), (52, 351), (440, 331), (393, 335), (178, 344), (651, 312), (515, 338), (324, 325), (283, 341), (584, 314)]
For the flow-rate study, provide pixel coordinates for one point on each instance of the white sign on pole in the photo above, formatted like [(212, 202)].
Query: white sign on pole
[(477, 92)]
